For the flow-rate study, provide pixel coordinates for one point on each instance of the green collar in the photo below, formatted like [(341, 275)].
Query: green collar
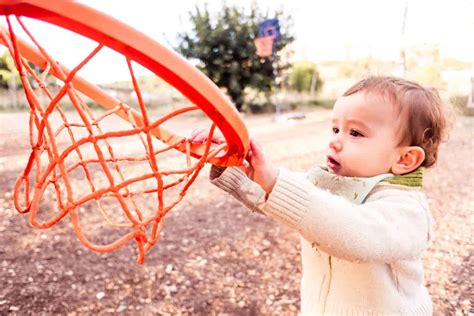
[(412, 179)]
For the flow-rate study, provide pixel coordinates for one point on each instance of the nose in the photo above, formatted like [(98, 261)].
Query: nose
[(336, 143)]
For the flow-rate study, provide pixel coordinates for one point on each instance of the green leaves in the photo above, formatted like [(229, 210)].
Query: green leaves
[(8, 73), (9, 77)]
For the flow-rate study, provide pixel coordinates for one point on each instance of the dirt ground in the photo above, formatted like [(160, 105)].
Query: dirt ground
[(213, 256)]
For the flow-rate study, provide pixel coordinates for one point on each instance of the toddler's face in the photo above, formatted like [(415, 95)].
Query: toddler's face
[(364, 141)]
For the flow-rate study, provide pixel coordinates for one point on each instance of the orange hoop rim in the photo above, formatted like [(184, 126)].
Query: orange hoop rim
[(143, 50)]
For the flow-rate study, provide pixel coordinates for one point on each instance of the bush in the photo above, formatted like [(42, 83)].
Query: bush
[(459, 102), (324, 103), (258, 108), (303, 75)]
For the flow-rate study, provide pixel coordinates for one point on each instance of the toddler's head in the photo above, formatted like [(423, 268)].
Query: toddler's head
[(385, 125)]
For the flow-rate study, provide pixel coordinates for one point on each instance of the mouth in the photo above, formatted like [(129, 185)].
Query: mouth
[(333, 164)]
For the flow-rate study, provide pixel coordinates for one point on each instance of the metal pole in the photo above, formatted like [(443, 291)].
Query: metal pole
[(275, 73), (403, 52), (314, 82), (470, 101)]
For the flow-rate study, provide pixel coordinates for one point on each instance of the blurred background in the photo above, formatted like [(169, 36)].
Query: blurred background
[(324, 47)]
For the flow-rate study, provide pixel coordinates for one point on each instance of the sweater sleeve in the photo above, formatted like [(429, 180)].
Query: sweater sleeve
[(392, 225), (235, 182)]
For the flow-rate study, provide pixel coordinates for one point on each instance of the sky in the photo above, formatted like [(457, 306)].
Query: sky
[(324, 30)]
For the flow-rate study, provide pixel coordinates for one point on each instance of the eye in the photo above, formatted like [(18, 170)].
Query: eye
[(335, 130), (356, 133)]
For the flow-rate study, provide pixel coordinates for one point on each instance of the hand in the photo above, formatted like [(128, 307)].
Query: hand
[(255, 166), (259, 169), (200, 135)]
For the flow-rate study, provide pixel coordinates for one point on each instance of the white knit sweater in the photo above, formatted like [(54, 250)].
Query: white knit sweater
[(361, 249)]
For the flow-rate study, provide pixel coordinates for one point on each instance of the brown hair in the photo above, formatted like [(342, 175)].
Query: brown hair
[(420, 108)]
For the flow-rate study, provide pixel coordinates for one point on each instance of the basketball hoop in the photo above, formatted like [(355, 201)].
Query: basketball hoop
[(53, 169), (264, 46)]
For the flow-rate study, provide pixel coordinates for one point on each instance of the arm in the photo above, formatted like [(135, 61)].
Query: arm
[(235, 182), (392, 225), (249, 183)]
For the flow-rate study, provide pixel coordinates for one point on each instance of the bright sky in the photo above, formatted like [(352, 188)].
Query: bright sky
[(324, 30)]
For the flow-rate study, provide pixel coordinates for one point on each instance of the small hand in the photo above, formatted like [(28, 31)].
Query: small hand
[(256, 166), (200, 135), (259, 169)]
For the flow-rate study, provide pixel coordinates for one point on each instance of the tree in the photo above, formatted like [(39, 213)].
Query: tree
[(9, 77), (224, 46)]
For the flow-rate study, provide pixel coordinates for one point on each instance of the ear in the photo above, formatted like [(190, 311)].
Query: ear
[(411, 157)]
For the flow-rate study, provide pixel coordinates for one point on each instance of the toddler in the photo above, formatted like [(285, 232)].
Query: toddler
[(363, 218)]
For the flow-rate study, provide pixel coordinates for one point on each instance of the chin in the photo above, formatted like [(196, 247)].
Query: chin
[(344, 173), (336, 171)]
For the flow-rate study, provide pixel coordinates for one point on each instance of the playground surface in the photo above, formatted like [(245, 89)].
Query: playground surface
[(214, 256)]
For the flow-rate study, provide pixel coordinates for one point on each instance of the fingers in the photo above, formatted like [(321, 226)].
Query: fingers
[(244, 166), (199, 138), (201, 135), (247, 168), (249, 155), (256, 152), (197, 134)]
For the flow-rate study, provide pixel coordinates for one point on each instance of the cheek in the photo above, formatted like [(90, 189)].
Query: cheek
[(371, 153), (384, 156)]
